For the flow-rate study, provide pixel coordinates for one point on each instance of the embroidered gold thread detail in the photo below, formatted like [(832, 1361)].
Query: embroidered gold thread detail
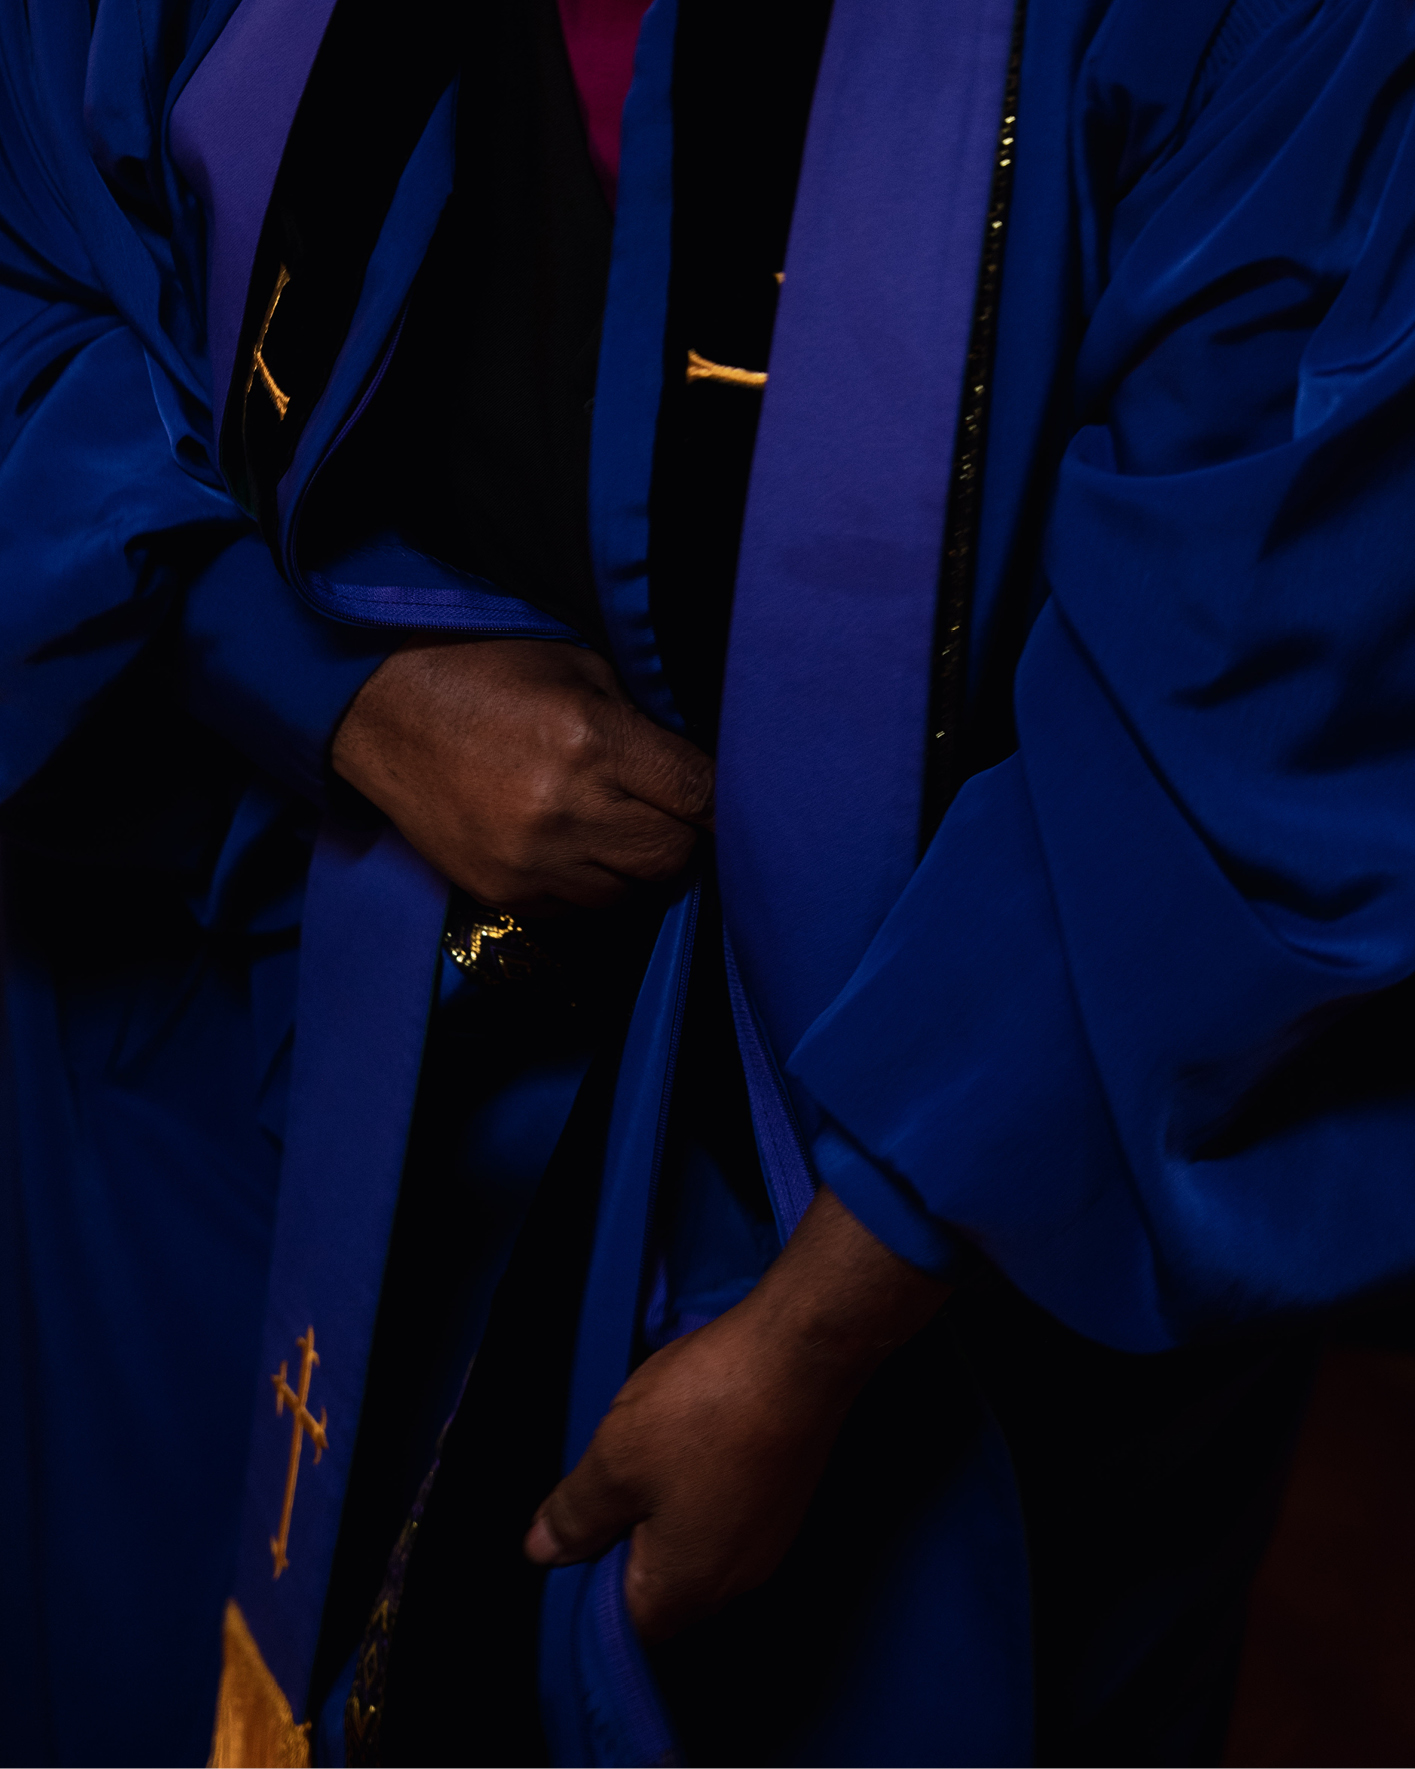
[(468, 947), (700, 369), (780, 276), (496, 952), (279, 399), (303, 1425), (255, 1728)]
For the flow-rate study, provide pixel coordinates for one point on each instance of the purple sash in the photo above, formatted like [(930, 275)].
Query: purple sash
[(368, 957), (228, 132), (822, 753)]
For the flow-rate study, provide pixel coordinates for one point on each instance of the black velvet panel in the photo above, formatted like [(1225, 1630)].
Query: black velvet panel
[(504, 336), (367, 100), (475, 448), (744, 73)]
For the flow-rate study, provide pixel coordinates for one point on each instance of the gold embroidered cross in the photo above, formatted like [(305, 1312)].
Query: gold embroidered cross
[(304, 1426)]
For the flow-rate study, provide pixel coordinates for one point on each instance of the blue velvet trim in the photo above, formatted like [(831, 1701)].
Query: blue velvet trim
[(388, 584)]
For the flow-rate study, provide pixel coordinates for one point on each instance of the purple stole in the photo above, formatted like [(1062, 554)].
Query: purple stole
[(826, 702), (228, 131)]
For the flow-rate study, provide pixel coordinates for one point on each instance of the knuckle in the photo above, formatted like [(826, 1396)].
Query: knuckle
[(698, 798), (519, 845), (578, 741), (541, 795), (538, 815)]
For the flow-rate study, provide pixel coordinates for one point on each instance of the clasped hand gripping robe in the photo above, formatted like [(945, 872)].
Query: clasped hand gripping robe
[(1128, 1027)]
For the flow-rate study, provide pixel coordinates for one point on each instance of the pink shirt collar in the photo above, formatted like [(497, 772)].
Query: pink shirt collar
[(600, 36)]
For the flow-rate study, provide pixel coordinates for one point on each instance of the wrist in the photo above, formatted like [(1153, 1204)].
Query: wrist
[(838, 1302), (836, 1345)]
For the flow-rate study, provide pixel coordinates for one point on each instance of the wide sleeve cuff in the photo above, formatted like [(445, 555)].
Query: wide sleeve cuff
[(266, 671), (884, 1204)]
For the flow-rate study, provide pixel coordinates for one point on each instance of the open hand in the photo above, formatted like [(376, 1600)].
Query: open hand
[(714, 1446), (520, 769)]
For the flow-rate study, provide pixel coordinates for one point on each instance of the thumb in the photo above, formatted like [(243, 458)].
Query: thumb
[(585, 1513)]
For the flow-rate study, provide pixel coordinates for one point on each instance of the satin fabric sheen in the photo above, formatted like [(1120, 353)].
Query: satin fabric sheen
[(1077, 1036), (1103, 978)]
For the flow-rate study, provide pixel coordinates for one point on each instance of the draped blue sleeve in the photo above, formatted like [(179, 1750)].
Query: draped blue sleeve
[(266, 670), (112, 521), (1142, 1025)]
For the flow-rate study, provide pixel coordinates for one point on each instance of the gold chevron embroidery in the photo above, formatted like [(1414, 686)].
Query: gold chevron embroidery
[(280, 400), (700, 369), (255, 1728)]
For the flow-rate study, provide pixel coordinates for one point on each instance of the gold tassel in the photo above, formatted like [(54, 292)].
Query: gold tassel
[(255, 1728)]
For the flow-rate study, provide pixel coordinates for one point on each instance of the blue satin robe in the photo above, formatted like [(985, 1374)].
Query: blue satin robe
[(1158, 952), (1128, 1027)]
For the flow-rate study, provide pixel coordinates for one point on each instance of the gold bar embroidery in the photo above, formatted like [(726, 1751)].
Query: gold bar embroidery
[(700, 369)]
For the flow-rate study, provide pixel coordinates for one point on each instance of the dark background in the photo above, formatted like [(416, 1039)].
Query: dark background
[(1328, 1672)]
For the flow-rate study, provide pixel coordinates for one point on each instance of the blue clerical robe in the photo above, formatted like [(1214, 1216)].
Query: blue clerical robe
[(1134, 1024)]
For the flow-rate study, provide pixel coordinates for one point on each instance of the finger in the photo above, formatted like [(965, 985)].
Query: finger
[(612, 842), (618, 860), (659, 767), (632, 843), (585, 1513), (636, 840)]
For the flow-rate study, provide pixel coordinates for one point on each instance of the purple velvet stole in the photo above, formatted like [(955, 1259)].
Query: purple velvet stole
[(821, 758), (828, 673), (368, 960), (228, 132)]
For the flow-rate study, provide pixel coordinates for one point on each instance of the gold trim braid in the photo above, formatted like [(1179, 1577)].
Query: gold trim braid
[(701, 369), (255, 1728)]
